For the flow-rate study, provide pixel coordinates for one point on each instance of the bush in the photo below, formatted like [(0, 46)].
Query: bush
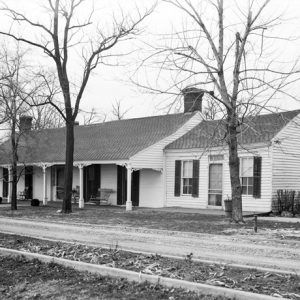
[(287, 201), (35, 202)]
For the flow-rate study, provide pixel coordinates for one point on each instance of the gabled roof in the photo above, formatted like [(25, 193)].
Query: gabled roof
[(258, 129), (115, 140)]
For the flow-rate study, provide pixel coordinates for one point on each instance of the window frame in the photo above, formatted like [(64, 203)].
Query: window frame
[(182, 178), (249, 187), (215, 159)]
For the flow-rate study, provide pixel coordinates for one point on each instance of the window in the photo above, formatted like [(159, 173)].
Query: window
[(187, 177), (186, 180), (215, 184), (216, 157), (246, 175)]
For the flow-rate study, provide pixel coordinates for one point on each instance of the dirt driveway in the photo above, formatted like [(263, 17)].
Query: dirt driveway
[(262, 249)]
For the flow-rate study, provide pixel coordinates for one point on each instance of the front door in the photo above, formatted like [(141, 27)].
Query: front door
[(28, 182), (92, 181), (215, 185), (5, 183), (60, 182), (122, 186)]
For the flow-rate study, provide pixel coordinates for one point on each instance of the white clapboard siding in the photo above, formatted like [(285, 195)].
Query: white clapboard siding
[(37, 184), (151, 188), (21, 181), (249, 203), (186, 200), (153, 156), (264, 203), (1, 182), (109, 181), (286, 157)]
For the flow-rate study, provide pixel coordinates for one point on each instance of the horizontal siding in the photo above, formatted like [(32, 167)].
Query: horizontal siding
[(153, 156), (286, 158), (109, 180), (151, 188), (1, 182), (249, 203)]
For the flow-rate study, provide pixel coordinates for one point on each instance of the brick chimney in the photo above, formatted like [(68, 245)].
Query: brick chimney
[(192, 99), (25, 123)]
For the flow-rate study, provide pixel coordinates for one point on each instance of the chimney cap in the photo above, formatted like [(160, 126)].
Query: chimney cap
[(192, 90)]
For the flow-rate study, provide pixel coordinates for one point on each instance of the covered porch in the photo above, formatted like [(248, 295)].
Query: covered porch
[(129, 186)]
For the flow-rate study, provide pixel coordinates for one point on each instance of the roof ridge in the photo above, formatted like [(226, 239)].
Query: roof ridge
[(116, 121)]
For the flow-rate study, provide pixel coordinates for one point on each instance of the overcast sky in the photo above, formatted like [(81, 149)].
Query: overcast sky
[(109, 84)]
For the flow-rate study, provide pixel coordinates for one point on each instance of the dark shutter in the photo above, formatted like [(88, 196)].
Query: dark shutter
[(195, 192), (177, 178), (256, 176)]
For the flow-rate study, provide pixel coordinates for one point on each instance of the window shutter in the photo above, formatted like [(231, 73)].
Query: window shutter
[(256, 176), (177, 178), (195, 187)]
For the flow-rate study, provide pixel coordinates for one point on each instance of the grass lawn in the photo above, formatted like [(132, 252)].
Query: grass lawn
[(147, 218)]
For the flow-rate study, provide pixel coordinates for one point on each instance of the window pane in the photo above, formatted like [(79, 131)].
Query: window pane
[(244, 180), (187, 186), (217, 157), (250, 190), (244, 190), (215, 177), (187, 169), (215, 200), (247, 167), (250, 180)]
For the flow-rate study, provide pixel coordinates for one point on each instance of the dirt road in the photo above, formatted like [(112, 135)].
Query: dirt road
[(263, 249)]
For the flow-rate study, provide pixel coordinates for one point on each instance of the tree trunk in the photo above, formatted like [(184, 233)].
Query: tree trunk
[(67, 202), (14, 168), (234, 168)]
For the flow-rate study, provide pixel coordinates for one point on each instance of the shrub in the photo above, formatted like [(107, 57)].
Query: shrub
[(287, 201), (35, 202)]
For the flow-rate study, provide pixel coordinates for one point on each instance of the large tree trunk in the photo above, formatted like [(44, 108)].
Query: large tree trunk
[(234, 168), (67, 202)]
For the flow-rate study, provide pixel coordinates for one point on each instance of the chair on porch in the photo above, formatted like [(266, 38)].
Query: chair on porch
[(102, 197), (21, 195)]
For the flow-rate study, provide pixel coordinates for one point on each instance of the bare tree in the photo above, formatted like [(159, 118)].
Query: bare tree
[(231, 61), (63, 36), (117, 111), (92, 117), (45, 116), (17, 87)]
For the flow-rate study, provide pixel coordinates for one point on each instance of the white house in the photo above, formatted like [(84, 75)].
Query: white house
[(168, 160), (197, 169)]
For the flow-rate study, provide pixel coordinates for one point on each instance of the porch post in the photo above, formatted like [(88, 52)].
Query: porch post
[(128, 201), (9, 184), (44, 167), (81, 199)]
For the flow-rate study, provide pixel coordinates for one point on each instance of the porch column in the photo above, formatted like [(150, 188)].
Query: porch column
[(81, 199), (44, 184), (9, 184), (128, 201)]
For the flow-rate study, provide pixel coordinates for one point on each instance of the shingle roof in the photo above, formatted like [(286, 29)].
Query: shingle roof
[(261, 128), (115, 140)]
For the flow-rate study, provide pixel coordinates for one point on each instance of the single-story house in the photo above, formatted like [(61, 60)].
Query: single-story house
[(168, 160)]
